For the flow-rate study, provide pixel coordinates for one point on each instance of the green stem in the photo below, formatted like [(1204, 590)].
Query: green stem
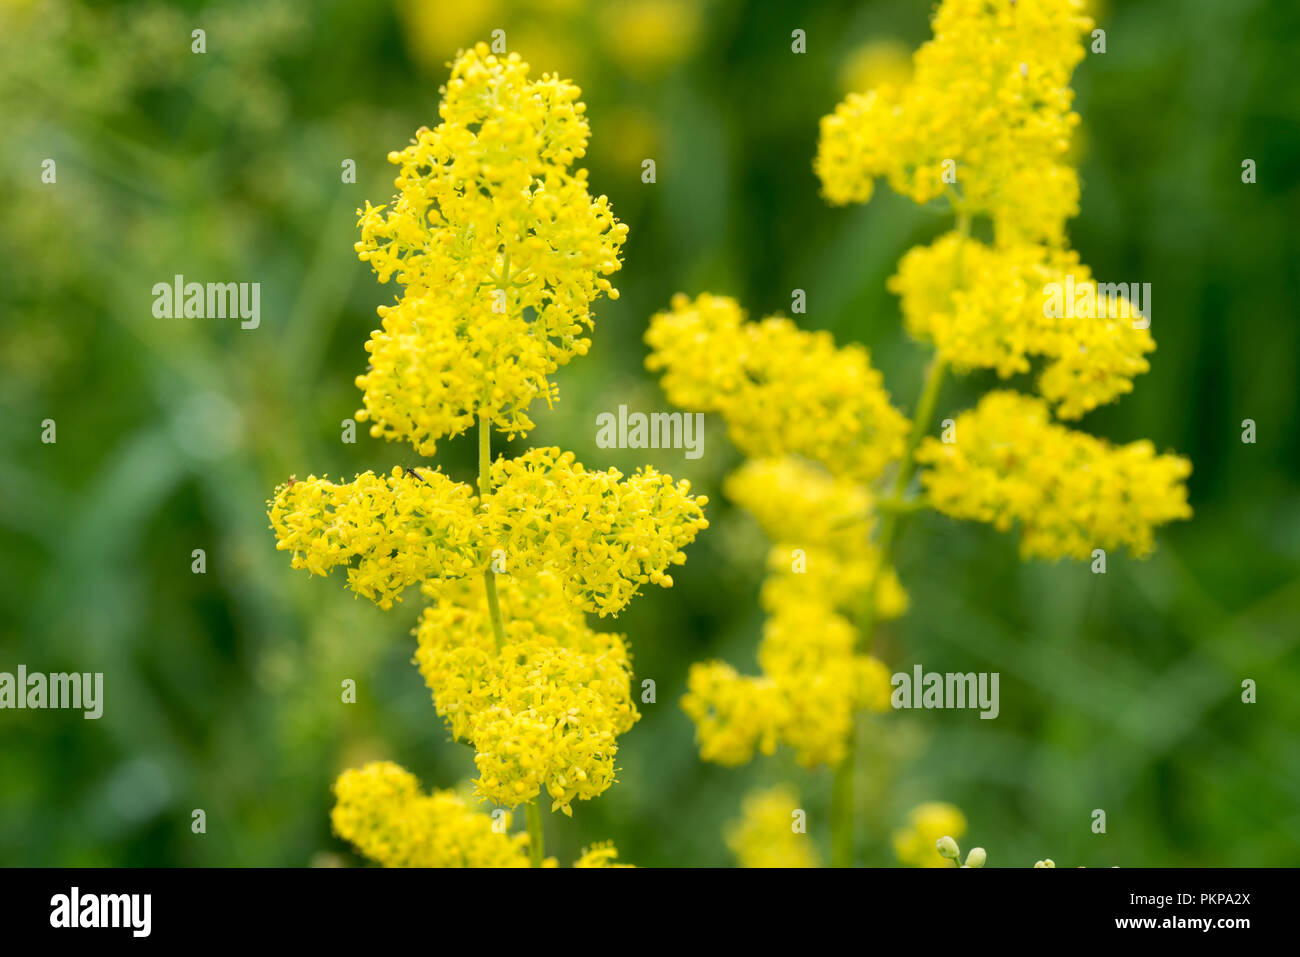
[(484, 490), (536, 838), (842, 809), (842, 817)]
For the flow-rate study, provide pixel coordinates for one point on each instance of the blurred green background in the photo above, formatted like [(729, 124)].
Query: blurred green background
[(1119, 692)]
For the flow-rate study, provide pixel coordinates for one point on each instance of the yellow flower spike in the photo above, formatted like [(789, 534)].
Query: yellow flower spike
[(987, 110), (767, 834), (542, 712), (780, 389), (381, 810), (1069, 492), (500, 250), (984, 307)]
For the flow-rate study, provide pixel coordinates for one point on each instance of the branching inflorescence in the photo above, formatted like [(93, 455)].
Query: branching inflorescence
[(984, 123), (500, 252)]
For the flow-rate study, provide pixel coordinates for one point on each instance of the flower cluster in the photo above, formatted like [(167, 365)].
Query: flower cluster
[(500, 252), (989, 98), (984, 307), (543, 710), (813, 678), (780, 389), (982, 119), (1068, 491), (381, 810), (607, 534), (765, 835), (990, 95)]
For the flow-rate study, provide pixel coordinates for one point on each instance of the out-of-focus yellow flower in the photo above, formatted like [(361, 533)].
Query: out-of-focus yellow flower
[(875, 64), (765, 835), (500, 251), (914, 843), (986, 307), (602, 854), (645, 36), (1069, 492), (542, 711), (990, 101), (381, 810), (782, 390), (813, 679)]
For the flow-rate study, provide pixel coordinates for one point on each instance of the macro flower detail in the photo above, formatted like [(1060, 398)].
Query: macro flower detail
[(609, 534), (544, 709), (499, 248)]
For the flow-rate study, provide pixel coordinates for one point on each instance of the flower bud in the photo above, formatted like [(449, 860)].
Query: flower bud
[(948, 848)]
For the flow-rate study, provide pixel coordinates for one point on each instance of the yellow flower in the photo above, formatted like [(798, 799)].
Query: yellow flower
[(813, 680), (780, 389), (915, 842), (381, 810), (608, 534), (602, 854), (986, 307), (988, 104), (500, 251), (542, 711), (765, 835), (812, 684), (1069, 492)]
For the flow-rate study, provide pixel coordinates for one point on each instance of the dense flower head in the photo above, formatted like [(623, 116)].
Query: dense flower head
[(381, 810), (1068, 491), (390, 532), (781, 390), (765, 835), (914, 843), (606, 534), (992, 307), (544, 710), (609, 534), (989, 100), (500, 251)]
